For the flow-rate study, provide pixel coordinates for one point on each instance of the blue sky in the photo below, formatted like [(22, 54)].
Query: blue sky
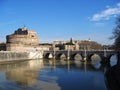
[(61, 19)]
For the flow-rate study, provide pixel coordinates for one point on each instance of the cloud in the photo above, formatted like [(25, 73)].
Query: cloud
[(107, 14)]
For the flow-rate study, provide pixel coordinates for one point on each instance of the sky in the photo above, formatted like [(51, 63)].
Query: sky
[(61, 19)]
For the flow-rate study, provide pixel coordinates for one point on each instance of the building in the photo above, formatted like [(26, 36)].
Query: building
[(66, 45), (77, 45), (3, 46), (23, 40)]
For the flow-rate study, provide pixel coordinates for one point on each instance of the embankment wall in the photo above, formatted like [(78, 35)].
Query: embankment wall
[(10, 55)]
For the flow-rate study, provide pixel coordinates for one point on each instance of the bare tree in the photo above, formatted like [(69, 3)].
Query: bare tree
[(116, 35)]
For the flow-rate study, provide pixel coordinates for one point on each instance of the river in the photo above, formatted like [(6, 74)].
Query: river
[(52, 75)]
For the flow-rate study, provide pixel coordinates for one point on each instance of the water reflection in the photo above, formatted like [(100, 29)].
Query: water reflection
[(28, 75), (63, 62), (25, 74), (96, 63), (77, 63), (51, 75)]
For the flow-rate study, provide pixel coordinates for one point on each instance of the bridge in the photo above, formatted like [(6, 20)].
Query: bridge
[(79, 54)]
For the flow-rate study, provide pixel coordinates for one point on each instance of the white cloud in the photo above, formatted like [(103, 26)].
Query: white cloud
[(107, 14), (118, 4)]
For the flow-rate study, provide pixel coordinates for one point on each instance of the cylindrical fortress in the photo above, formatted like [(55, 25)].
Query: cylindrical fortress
[(22, 36)]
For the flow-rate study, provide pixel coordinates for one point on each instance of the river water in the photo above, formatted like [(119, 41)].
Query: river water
[(52, 75)]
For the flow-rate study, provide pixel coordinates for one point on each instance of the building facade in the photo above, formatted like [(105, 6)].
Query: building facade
[(77, 45), (66, 45), (23, 40)]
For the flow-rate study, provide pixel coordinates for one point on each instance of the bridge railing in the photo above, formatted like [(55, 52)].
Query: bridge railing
[(78, 50)]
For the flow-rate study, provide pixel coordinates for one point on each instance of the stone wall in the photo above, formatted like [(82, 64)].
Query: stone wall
[(23, 39), (14, 47), (9, 56)]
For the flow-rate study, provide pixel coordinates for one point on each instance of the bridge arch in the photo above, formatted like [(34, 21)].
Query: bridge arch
[(112, 59), (76, 56), (94, 56), (61, 56), (95, 60), (48, 56), (110, 56)]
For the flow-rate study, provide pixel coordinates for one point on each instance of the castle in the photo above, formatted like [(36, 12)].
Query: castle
[(23, 40)]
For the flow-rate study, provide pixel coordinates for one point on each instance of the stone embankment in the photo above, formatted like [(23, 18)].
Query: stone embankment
[(14, 55)]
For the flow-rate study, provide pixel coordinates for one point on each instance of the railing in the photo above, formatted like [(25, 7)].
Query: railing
[(75, 50)]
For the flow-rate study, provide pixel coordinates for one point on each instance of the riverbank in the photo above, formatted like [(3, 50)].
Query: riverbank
[(8, 56)]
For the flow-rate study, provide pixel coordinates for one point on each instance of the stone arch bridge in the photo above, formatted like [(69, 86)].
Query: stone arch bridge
[(77, 54)]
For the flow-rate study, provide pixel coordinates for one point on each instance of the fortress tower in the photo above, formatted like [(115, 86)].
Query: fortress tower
[(21, 39)]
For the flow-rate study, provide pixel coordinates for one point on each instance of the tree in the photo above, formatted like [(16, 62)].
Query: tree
[(90, 45), (116, 35)]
